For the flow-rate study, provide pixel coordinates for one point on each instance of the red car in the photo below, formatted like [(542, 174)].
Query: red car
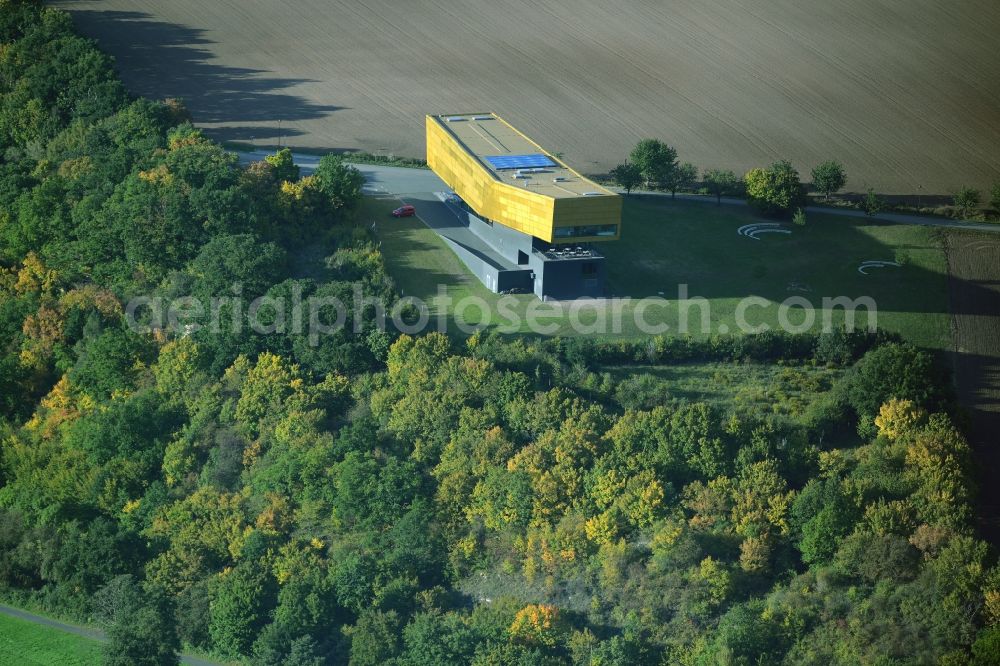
[(404, 211)]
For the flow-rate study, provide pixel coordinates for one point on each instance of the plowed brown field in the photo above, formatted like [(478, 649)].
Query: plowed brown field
[(974, 300), (903, 92)]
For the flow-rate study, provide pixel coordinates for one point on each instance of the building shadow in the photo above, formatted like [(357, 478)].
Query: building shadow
[(672, 243), (159, 59)]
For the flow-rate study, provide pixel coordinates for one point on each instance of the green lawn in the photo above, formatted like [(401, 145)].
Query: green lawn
[(27, 643), (420, 262), (666, 244)]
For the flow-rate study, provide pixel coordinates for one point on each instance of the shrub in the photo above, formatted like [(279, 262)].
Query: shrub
[(872, 204), (842, 347), (641, 392), (966, 201)]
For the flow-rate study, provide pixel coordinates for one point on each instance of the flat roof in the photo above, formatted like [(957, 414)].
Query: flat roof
[(515, 159)]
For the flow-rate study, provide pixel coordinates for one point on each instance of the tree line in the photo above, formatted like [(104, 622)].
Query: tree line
[(387, 499), (775, 190)]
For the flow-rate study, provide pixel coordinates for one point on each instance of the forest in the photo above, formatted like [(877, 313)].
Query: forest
[(379, 498)]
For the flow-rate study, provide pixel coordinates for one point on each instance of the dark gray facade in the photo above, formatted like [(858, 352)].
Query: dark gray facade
[(556, 272)]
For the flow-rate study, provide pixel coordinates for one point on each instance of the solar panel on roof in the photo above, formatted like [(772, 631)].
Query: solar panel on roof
[(501, 162)]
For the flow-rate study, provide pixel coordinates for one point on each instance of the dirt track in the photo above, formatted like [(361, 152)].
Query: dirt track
[(904, 93), (974, 300)]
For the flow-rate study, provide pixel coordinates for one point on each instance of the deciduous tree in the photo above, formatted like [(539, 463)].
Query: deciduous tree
[(339, 182), (656, 161), (899, 371), (682, 178), (829, 177), (966, 201), (139, 625), (775, 190), (627, 176), (284, 165), (898, 417), (537, 624), (239, 608), (238, 263), (720, 183)]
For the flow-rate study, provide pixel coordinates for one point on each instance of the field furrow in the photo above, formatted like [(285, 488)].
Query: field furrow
[(904, 94)]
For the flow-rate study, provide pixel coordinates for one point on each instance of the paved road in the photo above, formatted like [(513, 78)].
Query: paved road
[(379, 179), (449, 222), (398, 181), (420, 187), (86, 632), (901, 218)]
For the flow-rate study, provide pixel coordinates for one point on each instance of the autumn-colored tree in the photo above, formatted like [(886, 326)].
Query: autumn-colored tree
[(716, 577), (710, 504), (284, 165), (755, 553), (761, 500), (898, 417), (775, 190), (178, 362), (202, 533), (938, 461), (477, 448), (537, 624), (367, 497), (266, 386)]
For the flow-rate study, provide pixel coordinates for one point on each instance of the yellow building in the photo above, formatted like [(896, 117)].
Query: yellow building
[(506, 178)]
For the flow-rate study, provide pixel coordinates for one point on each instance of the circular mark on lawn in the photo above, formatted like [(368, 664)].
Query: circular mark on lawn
[(757, 228), (875, 263)]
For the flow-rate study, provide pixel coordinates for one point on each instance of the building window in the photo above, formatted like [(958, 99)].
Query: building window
[(522, 258), (589, 230)]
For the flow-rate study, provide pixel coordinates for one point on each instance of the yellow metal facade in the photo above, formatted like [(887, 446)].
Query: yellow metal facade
[(529, 212)]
